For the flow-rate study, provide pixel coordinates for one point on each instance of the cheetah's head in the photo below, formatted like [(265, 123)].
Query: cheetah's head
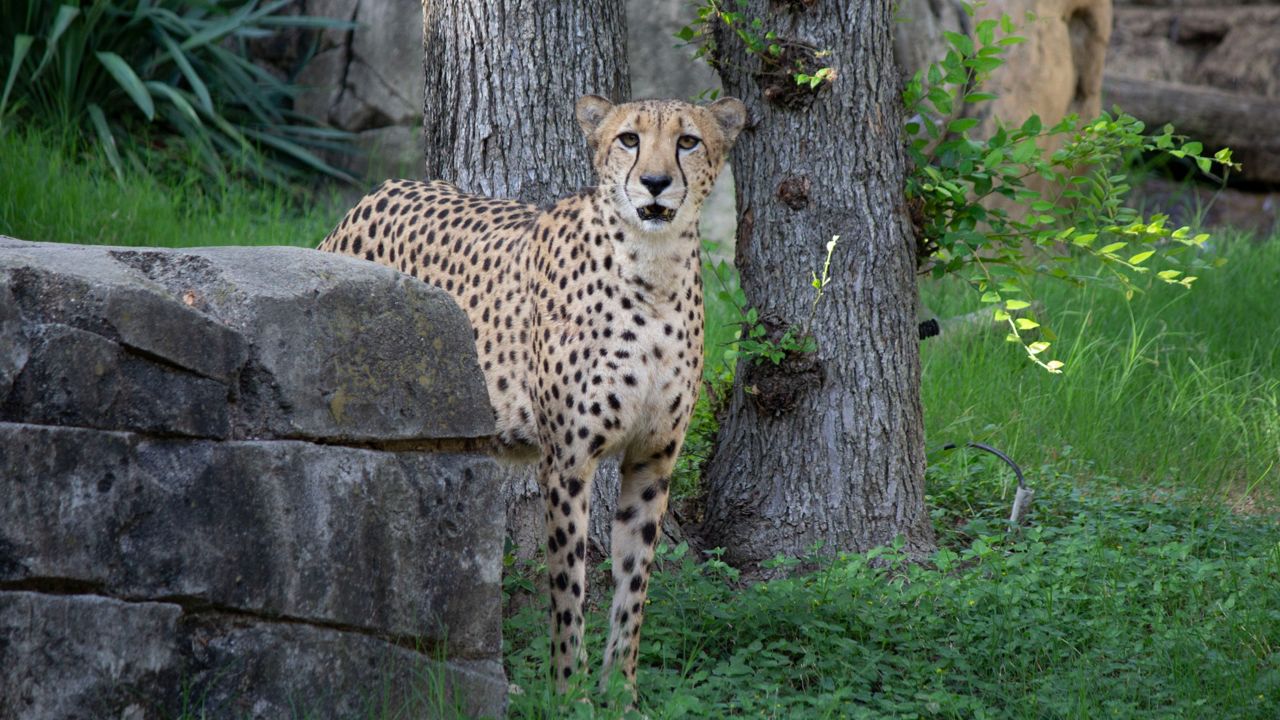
[(656, 160)]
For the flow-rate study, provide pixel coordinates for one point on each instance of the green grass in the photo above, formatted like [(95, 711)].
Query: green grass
[(1112, 604), (1177, 387), (55, 192)]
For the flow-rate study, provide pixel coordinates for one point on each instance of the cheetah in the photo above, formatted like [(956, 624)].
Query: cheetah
[(587, 319)]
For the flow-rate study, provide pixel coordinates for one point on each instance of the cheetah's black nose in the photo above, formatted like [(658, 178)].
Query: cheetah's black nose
[(655, 183)]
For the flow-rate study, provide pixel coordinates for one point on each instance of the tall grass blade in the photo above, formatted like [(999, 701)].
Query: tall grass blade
[(297, 152), (217, 31), (129, 82)]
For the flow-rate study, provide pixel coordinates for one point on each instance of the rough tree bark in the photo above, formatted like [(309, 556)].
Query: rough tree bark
[(830, 447), (501, 82), (498, 119)]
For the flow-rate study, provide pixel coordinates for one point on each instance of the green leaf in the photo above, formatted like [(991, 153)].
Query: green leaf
[(21, 45), (129, 82), (986, 31), (1027, 324), (983, 64), (66, 13), (1137, 259), (1112, 247), (105, 137), (176, 98), (184, 66), (1032, 125), (961, 42), (1024, 151), (959, 125), (1017, 304)]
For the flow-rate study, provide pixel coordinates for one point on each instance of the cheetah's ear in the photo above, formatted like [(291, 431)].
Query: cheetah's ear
[(590, 111), (731, 115)]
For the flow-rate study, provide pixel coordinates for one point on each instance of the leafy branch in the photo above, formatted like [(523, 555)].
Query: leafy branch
[(962, 186)]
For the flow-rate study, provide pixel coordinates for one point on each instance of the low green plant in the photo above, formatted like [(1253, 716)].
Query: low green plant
[(956, 175), (152, 74), (752, 341), (1083, 212), (1114, 603)]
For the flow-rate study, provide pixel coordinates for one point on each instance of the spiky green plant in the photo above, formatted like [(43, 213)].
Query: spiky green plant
[(161, 74)]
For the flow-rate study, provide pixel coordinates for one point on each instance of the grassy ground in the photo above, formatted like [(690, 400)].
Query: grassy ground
[(1144, 586), (1176, 387), (54, 193), (1113, 604)]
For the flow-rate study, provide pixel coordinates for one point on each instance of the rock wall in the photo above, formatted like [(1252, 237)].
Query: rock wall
[(227, 488), (367, 80), (1211, 69)]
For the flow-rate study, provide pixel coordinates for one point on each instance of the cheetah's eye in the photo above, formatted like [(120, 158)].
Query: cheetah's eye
[(629, 139), (687, 142)]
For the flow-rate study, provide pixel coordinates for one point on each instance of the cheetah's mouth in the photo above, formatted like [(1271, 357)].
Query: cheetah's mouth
[(661, 213)]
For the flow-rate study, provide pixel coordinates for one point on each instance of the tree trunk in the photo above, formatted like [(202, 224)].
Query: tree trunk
[(826, 447), (498, 119), (501, 83)]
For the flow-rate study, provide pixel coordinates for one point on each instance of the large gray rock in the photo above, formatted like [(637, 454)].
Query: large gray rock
[(235, 343), (81, 656), (312, 533), (370, 82), (227, 490)]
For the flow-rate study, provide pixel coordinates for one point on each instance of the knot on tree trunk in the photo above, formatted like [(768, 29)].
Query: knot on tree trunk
[(793, 191), (780, 62), (776, 389)]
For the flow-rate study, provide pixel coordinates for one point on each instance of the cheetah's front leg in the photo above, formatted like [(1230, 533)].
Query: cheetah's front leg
[(642, 500), (567, 492)]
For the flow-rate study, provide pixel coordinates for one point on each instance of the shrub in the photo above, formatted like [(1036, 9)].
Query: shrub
[(164, 75)]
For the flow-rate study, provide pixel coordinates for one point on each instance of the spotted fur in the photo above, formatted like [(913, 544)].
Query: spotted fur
[(588, 326)]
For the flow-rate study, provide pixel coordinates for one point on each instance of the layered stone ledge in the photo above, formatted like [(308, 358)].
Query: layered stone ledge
[(224, 490)]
